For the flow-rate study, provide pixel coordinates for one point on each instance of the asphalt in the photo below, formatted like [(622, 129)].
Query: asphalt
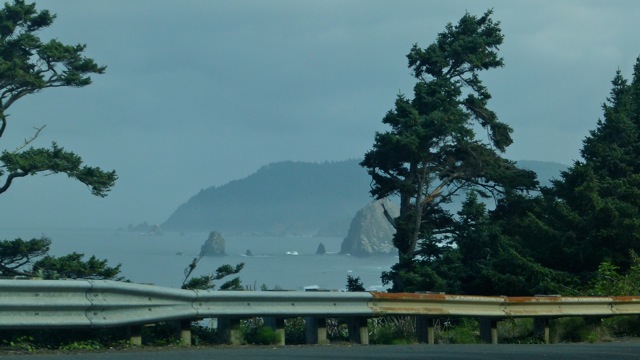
[(609, 351)]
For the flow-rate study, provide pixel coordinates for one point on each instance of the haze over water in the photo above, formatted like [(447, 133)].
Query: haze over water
[(161, 260)]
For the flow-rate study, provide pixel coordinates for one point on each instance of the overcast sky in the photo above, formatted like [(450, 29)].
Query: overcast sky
[(199, 93)]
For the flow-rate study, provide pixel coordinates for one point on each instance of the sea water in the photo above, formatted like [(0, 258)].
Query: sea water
[(288, 263)]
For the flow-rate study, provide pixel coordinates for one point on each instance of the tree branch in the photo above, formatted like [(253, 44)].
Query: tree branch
[(10, 178), (29, 141), (387, 215)]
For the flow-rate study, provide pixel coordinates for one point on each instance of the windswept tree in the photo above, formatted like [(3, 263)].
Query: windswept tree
[(206, 282), (29, 65), (432, 152)]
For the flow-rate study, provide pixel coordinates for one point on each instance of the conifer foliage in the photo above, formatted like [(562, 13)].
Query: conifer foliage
[(27, 66), (597, 200), (432, 152)]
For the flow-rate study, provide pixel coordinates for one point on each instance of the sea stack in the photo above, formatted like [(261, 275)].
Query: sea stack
[(370, 232), (214, 246)]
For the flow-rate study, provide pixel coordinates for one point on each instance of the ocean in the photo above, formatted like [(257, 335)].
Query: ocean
[(287, 263)]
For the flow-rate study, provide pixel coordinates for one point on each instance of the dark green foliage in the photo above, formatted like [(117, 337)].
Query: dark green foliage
[(295, 331), (591, 213), (205, 282), (255, 332), (392, 330), (202, 282), (518, 331), (354, 284), (161, 334), (458, 331), (262, 335), (53, 161), (72, 266), (623, 326), (29, 258), (549, 242), (68, 339), (432, 152), (608, 281), (17, 254), (27, 66)]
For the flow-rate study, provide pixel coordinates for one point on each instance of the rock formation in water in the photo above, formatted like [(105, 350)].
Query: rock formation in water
[(145, 229), (214, 246), (370, 232), (321, 249)]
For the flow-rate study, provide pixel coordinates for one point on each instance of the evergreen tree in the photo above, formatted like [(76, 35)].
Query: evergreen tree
[(27, 66), (431, 151), (484, 260), (597, 200), (590, 215)]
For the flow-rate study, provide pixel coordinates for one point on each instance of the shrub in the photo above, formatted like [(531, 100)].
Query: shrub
[(392, 330), (518, 331), (295, 331), (577, 329), (457, 331)]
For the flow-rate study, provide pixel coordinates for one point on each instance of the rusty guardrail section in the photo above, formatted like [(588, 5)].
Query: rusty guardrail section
[(97, 303), (501, 306)]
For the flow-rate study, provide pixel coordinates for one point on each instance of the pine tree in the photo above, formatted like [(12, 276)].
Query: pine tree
[(432, 152), (593, 209)]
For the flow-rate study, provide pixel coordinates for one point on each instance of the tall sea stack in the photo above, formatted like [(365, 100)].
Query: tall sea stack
[(370, 232)]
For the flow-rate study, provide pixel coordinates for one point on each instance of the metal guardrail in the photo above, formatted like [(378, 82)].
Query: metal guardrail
[(99, 303), (438, 305)]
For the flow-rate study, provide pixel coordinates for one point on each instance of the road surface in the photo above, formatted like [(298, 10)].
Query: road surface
[(609, 351)]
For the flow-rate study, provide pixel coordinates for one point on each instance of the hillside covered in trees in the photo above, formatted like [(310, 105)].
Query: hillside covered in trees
[(284, 198), (292, 198)]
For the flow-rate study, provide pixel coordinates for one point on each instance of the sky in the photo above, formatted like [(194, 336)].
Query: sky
[(199, 93)]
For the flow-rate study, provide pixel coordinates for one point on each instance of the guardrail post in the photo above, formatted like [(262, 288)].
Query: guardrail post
[(541, 328), (185, 332), (315, 330), (135, 335), (425, 330), (596, 322), (358, 330), (489, 330), (230, 327), (276, 324)]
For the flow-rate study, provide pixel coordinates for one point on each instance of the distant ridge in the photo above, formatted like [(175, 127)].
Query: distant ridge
[(284, 198), (293, 198)]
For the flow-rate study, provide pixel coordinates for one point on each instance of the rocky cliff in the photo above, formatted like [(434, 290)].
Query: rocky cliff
[(370, 232), (214, 246)]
